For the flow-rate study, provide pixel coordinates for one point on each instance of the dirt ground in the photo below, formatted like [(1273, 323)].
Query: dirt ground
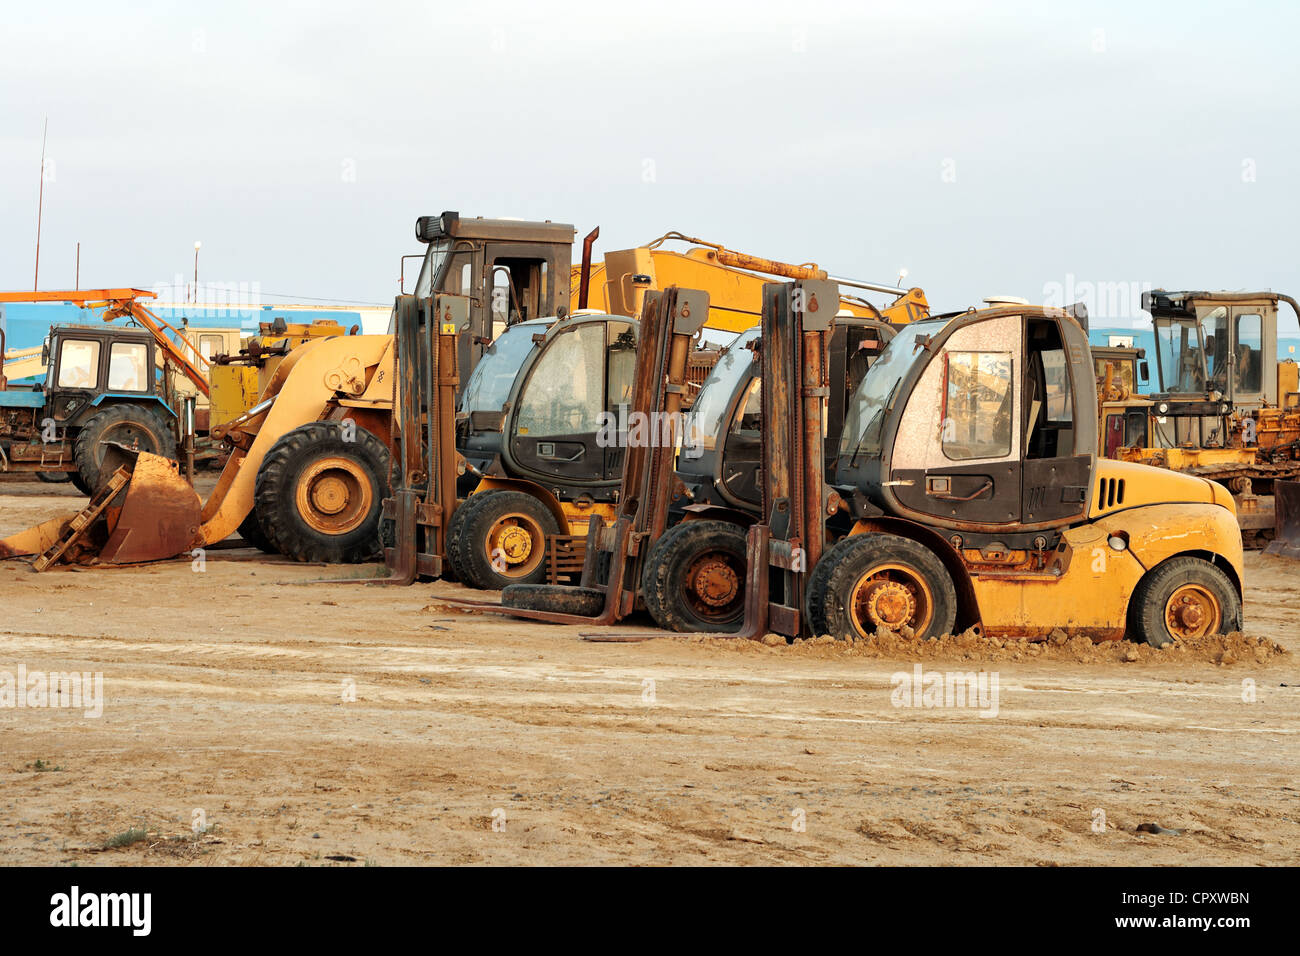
[(482, 739)]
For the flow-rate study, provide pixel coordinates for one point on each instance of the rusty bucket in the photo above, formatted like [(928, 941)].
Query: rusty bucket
[(159, 517)]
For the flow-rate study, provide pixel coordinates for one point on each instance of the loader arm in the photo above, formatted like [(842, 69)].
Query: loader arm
[(301, 391)]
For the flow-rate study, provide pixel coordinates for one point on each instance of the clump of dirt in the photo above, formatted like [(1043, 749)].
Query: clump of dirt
[(1221, 649), (440, 607)]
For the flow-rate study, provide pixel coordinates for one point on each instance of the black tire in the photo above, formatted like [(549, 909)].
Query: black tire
[(81, 485), (1152, 617), (132, 425), (835, 604), (308, 471), (53, 477), (455, 534), (558, 598), (694, 577), (253, 534), (482, 518)]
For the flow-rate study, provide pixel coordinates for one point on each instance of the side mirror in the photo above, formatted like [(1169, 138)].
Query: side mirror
[(1144, 370)]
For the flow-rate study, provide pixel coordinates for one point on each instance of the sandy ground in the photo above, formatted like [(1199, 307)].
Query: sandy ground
[(480, 739)]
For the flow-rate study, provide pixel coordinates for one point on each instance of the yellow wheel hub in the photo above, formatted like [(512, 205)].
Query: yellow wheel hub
[(516, 544), (334, 495), (1193, 611)]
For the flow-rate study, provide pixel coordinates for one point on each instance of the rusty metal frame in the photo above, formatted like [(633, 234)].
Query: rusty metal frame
[(785, 547), (424, 492)]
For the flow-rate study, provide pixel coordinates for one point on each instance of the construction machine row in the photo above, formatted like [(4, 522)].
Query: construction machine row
[(838, 468)]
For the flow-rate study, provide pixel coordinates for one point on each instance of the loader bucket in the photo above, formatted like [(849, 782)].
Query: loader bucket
[(159, 517), (1286, 518), (34, 540)]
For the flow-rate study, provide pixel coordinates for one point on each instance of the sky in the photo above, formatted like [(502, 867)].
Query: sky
[(1047, 150)]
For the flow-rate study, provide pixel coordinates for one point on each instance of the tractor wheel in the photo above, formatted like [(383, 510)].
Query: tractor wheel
[(253, 534), (53, 477), (318, 496), (81, 485), (870, 581), (1181, 599), (557, 598), (694, 577), (498, 538), (131, 425)]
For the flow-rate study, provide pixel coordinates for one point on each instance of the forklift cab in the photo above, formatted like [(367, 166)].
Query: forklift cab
[(722, 451), (510, 271), (547, 402), (983, 427)]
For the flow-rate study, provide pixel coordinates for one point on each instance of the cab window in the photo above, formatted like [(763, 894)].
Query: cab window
[(1250, 354), (78, 364), (622, 364), (127, 367), (211, 346), (565, 394), (976, 419)]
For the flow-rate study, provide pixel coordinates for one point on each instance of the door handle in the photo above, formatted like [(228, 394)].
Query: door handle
[(938, 487)]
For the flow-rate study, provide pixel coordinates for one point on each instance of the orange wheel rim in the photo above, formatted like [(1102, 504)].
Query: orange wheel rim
[(1193, 611), (891, 596), (714, 585), (334, 496)]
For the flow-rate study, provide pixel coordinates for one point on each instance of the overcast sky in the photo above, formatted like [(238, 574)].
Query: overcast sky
[(1008, 148)]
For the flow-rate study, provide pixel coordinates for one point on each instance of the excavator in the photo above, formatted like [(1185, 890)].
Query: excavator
[(309, 464)]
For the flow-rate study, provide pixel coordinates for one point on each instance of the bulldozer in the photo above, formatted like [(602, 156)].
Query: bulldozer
[(1225, 410)]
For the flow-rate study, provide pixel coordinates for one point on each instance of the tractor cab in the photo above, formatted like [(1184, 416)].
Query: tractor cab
[(982, 427), (508, 270), (719, 463), (89, 365)]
